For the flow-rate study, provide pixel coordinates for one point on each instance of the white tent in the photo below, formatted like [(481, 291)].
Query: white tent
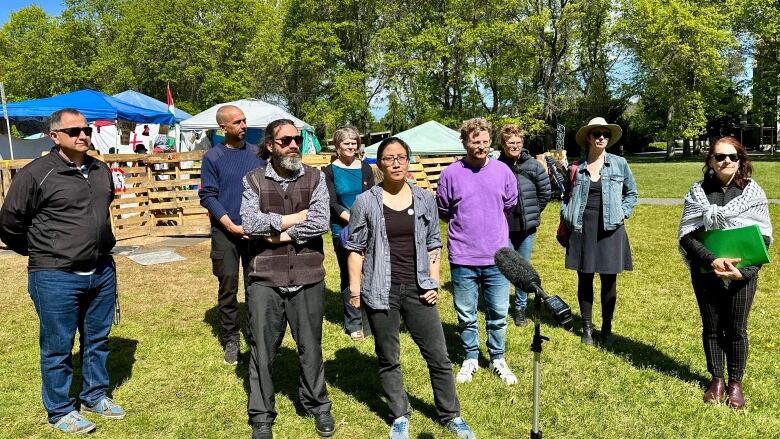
[(428, 139), (258, 115)]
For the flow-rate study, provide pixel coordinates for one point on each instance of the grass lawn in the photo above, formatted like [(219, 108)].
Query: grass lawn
[(167, 371), (673, 179)]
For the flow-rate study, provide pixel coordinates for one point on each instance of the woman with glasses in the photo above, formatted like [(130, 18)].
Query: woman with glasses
[(533, 189), (726, 198), (599, 197), (395, 252), (346, 177)]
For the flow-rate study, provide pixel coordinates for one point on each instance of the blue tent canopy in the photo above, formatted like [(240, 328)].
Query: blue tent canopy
[(93, 104), (142, 100)]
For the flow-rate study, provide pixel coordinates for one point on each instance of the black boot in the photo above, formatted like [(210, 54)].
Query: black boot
[(606, 338), (587, 332)]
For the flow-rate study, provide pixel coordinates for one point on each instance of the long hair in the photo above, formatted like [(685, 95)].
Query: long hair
[(268, 137), (744, 168)]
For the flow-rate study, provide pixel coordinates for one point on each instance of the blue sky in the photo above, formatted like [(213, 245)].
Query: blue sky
[(52, 7)]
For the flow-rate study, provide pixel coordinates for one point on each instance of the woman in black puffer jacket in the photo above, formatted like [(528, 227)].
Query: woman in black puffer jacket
[(533, 187)]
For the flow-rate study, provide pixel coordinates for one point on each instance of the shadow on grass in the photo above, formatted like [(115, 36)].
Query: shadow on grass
[(356, 374), (637, 353), (119, 364), (212, 317)]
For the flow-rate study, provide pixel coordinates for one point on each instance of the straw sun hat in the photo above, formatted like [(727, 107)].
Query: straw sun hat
[(599, 122)]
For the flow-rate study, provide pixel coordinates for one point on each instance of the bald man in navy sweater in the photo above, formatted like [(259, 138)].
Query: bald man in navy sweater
[(222, 169)]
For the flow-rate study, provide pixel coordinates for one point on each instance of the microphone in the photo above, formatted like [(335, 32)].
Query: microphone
[(522, 275)]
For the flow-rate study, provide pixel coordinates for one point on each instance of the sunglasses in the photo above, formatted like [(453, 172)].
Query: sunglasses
[(287, 140), (721, 157), (597, 134), (389, 160), (74, 131)]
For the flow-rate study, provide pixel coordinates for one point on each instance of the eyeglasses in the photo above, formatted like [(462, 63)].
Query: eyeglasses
[(721, 157), (597, 134), (389, 160), (286, 140), (74, 131)]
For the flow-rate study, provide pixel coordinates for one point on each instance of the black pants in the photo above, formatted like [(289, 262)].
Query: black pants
[(227, 251), (608, 296), (724, 312), (352, 318), (424, 325), (269, 313)]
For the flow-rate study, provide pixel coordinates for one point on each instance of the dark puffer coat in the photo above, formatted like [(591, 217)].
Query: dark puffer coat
[(533, 187)]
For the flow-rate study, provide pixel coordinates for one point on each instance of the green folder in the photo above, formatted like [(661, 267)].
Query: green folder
[(745, 243)]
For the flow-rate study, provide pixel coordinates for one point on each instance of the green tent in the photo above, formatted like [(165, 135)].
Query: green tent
[(428, 139)]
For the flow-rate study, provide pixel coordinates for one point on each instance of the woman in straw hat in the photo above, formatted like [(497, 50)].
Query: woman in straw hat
[(601, 194)]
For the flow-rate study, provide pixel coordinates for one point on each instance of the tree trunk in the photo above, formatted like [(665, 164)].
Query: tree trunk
[(687, 148), (670, 139)]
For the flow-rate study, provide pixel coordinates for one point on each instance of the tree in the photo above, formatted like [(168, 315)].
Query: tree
[(680, 54)]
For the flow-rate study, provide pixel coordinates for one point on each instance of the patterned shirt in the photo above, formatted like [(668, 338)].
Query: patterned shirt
[(257, 223)]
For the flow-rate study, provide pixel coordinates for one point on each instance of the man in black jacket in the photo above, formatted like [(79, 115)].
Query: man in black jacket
[(57, 213)]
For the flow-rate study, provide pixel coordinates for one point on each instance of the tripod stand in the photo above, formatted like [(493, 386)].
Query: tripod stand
[(536, 348)]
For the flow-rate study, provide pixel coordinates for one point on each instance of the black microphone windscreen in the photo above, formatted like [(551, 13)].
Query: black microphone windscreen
[(516, 269)]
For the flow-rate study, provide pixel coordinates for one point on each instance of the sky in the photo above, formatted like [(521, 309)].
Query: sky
[(52, 7)]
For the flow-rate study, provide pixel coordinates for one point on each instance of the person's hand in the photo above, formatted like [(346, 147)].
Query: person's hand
[(354, 298), (430, 297), (302, 215), (237, 230), (729, 271), (719, 264)]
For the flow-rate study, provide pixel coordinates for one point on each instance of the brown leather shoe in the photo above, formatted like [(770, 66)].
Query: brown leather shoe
[(716, 390), (735, 396)]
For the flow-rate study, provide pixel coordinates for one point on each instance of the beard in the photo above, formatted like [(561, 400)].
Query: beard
[(290, 163)]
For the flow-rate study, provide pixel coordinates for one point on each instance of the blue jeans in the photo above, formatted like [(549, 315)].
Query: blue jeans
[(65, 302), (466, 283), (523, 244)]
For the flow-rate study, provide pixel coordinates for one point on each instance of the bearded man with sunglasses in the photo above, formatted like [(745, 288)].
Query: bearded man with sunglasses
[(57, 213), (285, 210)]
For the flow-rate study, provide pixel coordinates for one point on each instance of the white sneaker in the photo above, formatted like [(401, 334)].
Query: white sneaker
[(500, 368), (467, 371)]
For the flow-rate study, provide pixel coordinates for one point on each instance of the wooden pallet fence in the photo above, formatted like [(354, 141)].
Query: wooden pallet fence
[(432, 166), (130, 208), (173, 181), (9, 168), (318, 161)]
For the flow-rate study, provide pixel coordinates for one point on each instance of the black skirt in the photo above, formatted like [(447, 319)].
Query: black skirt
[(595, 250)]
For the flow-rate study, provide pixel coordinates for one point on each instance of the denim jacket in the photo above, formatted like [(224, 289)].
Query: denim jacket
[(368, 235), (618, 193)]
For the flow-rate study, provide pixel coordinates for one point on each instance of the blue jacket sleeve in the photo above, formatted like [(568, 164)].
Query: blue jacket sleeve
[(209, 189)]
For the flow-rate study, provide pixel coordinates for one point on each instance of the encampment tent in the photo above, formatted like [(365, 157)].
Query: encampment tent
[(93, 104), (258, 115), (144, 101), (428, 139), (24, 148)]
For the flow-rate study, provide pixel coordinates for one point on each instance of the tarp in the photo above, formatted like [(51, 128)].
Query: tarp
[(258, 115), (24, 148), (428, 139), (93, 104), (142, 100)]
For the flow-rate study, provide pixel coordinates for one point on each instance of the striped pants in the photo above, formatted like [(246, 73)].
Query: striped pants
[(724, 311)]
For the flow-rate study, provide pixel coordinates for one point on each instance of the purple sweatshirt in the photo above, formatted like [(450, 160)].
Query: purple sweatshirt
[(474, 202)]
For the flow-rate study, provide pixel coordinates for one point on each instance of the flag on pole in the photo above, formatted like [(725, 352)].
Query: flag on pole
[(169, 96)]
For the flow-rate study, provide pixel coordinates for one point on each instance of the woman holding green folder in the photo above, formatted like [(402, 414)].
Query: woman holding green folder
[(726, 198)]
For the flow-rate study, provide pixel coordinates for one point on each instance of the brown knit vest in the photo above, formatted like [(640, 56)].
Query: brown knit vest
[(287, 264)]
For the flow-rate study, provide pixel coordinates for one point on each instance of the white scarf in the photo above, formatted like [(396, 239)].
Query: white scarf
[(751, 207)]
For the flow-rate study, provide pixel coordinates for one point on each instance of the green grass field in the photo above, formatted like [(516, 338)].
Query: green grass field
[(673, 179), (167, 371)]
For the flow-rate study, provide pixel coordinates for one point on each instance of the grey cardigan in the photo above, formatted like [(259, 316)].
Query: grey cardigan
[(368, 235)]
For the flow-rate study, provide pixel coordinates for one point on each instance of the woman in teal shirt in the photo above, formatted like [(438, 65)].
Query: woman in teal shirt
[(346, 178)]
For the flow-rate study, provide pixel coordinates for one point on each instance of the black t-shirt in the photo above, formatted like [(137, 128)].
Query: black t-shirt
[(400, 235)]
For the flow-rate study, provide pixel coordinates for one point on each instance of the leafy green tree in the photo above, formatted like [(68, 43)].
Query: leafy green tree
[(681, 54)]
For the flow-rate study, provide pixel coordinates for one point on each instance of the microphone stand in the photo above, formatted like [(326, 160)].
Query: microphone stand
[(536, 348)]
